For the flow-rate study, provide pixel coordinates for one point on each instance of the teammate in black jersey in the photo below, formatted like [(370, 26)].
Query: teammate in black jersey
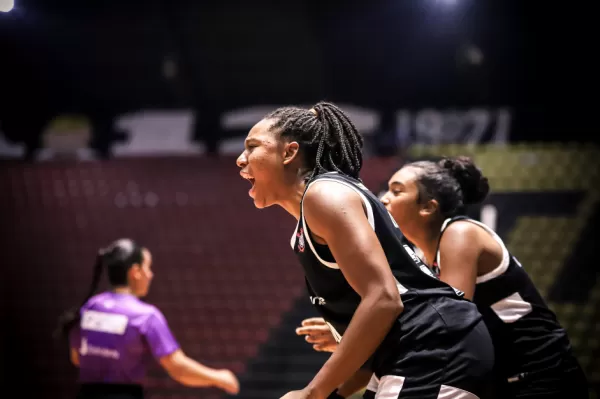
[(533, 353), (418, 335)]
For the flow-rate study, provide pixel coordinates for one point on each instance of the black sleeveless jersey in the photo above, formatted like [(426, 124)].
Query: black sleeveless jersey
[(527, 336), (425, 297)]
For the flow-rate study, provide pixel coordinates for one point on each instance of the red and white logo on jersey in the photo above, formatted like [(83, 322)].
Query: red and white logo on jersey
[(300, 236)]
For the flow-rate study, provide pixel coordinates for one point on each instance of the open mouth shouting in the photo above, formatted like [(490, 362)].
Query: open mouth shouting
[(251, 180)]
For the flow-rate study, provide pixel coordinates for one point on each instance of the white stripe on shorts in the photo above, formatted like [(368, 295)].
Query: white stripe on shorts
[(448, 392), (390, 387)]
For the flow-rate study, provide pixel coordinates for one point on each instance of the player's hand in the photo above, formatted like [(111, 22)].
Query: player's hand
[(318, 333), (303, 394), (229, 382)]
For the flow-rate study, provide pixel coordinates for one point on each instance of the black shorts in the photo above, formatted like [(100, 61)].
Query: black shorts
[(458, 367), (566, 381), (110, 391)]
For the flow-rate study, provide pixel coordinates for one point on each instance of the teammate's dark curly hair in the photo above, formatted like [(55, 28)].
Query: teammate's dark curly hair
[(328, 139), (452, 182)]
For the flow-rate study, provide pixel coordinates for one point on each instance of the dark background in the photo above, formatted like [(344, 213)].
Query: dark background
[(104, 58)]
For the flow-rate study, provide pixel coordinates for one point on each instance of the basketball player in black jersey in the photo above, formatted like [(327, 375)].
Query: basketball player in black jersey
[(418, 335), (533, 352)]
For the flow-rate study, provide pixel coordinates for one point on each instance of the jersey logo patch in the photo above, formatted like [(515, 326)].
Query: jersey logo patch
[(109, 323), (92, 350), (317, 300), (300, 236)]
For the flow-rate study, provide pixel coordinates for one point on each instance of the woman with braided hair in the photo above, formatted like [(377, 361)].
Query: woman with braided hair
[(113, 333), (417, 335)]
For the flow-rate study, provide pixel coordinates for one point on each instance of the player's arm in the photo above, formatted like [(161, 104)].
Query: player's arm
[(189, 372), (358, 381), (459, 256), (318, 334), (74, 356), (335, 214), (180, 367), (74, 344)]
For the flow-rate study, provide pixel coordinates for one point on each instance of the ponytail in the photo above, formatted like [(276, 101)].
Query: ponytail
[(96, 276), (70, 318)]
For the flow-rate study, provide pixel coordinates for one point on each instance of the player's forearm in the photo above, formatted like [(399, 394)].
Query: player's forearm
[(191, 373), (371, 322), (358, 381)]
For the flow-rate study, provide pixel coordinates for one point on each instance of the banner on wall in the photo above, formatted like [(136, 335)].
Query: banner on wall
[(171, 132), (454, 126)]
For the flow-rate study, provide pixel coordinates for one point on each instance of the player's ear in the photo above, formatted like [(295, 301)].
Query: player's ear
[(135, 272), (290, 152), (429, 208)]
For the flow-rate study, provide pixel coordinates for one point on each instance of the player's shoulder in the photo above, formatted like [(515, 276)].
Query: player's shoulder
[(326, 203), (331, 188), (463, 227), (147, 309), (95, 301), (463, 232), (152, 317)]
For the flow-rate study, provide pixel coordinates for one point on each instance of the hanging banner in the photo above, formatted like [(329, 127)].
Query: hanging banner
[(453, 126)]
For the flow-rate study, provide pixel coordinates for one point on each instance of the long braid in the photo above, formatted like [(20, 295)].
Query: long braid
[(327, 137)]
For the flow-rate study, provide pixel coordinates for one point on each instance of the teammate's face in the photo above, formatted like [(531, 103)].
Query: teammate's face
[(402, 201), (263, 164), (141, 275)]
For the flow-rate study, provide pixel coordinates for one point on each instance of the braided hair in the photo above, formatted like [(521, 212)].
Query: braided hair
[(328, 139)]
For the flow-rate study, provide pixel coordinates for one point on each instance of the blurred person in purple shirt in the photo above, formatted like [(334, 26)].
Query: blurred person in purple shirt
[(113, 335)]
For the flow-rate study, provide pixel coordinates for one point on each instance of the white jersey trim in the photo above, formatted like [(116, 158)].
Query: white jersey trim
[(370, 218), (293, 239)]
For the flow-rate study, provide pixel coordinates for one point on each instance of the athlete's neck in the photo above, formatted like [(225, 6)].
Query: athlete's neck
[(122, 290), (292, 202), (427, 241)]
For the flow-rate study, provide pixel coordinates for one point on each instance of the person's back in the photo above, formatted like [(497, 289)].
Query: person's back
[(117, 337)]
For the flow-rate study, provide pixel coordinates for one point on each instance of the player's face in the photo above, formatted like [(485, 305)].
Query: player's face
[(141, 275), (263, 164), (402, 200)]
